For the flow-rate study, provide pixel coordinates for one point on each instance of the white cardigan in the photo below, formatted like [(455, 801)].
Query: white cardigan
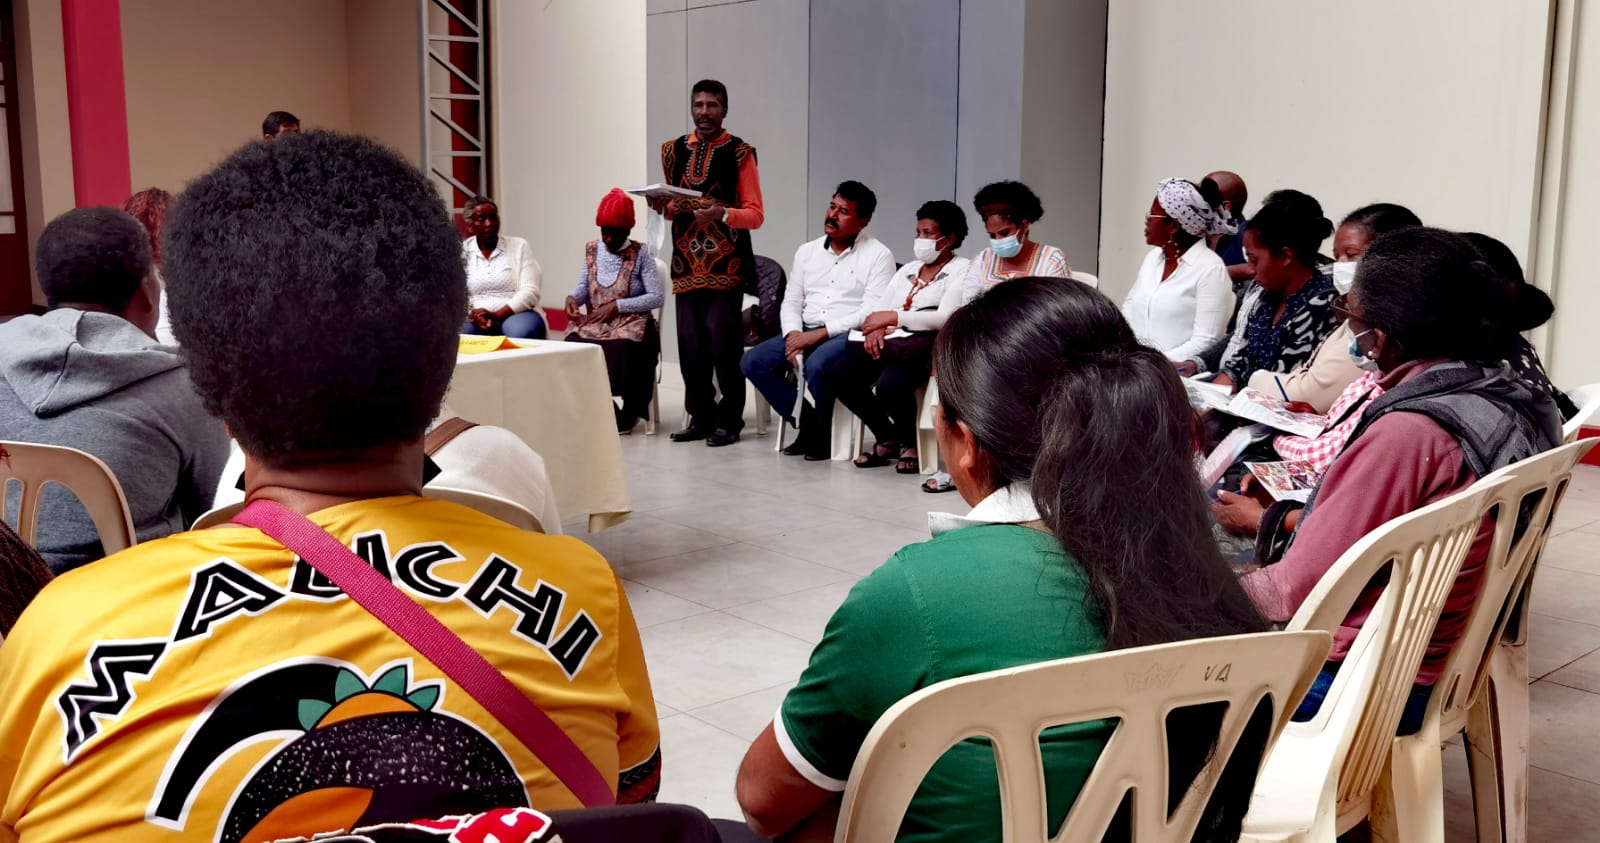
[(524, 268)]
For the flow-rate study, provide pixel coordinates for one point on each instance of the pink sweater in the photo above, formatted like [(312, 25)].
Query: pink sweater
[(1402, 463)]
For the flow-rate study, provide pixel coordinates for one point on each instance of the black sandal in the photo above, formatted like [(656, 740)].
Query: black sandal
[(909, 463), (877, 458)]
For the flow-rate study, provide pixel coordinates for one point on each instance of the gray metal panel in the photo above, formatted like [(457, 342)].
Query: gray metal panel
[(883, 108), (666, 84), (653, 7), (989, 146)]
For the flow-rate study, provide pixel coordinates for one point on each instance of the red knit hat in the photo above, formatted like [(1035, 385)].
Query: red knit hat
[(616, 210)]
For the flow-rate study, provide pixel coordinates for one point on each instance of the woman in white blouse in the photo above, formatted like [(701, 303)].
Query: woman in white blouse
[(502, 278), (889, 359), (1182, 298)]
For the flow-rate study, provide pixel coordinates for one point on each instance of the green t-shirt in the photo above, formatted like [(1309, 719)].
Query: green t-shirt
[(971, 600)]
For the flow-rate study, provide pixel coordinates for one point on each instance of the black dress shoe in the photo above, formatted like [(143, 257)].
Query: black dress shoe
[(816, 456), (794, 449), (720, 437), (690, 434)]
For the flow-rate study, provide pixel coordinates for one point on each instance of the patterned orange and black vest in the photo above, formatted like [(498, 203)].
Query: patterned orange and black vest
[(707, 255)]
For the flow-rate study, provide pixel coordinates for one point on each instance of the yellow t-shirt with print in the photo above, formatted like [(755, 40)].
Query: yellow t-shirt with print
[(210, 686)]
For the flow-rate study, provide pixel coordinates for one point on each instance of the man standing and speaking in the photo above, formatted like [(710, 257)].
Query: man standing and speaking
[(711, 261)]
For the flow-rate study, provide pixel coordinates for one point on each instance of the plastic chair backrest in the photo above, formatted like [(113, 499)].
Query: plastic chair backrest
[(1587, 398), (1086, 278), (1423, 550), (1138, 686), (1537, 484), (493, 506), (90, 480)]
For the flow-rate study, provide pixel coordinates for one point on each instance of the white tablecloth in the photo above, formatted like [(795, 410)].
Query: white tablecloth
[(555, 395)]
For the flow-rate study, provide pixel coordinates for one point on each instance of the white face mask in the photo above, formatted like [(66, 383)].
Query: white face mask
[(1364, 362), (925, 250), (1344, 276)]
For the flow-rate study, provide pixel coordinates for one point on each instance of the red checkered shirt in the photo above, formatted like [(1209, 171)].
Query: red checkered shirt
[(1321, 449)]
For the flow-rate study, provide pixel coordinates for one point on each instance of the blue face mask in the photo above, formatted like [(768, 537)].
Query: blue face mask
[(1363, 362), (1006, 247)]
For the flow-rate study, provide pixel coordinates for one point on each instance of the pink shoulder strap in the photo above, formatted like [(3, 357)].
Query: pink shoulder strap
[(464, 665)]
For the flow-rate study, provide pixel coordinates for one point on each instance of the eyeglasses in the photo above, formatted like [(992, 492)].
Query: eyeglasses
[(1157, 217)]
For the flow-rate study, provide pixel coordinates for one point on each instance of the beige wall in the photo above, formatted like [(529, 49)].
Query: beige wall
[(201, 75), (385, 85), (45, 129), (1431, 103), (569, 122)]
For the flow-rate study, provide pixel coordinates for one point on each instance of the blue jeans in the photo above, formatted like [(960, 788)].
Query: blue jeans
[(765, 366), (527, 325), (1410, 716)]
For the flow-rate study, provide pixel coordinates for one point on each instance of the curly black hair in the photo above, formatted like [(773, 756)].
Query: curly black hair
[(949, 217), (315, 284), (1433, 293), (94, 256), (1291, 219), (1010, 199)]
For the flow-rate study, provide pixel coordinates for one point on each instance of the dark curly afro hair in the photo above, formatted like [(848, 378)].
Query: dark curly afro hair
[(315, 284), (93, 255)]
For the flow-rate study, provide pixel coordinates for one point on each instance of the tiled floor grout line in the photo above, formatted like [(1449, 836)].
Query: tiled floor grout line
[(1546, 678), (1545, 770)]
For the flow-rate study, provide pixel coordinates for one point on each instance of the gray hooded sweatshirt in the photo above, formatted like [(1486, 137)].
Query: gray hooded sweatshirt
[(95, 382)]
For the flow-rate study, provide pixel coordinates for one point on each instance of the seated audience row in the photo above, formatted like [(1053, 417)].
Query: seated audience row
[(141, 683), (88, 374), (1045, 387)]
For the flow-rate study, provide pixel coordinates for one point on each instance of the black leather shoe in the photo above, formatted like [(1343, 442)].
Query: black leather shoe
[(690, 434), (816, 456), (720, 437), (794, 449)]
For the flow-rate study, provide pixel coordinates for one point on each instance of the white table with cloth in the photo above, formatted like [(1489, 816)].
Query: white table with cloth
[(555, 395)]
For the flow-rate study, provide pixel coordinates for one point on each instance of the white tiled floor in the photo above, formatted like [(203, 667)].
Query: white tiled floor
[(735, 558)]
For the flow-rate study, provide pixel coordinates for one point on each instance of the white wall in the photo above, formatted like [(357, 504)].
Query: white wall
[(569, 122), (1434, 104)]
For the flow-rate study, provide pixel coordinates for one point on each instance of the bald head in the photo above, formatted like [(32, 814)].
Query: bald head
[(1232, 187)]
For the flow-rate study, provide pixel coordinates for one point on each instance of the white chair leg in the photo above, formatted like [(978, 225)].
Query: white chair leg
[(843, 433), (1497, 748), (1412, 791), (654, 418), (927, 442), (763, 413)]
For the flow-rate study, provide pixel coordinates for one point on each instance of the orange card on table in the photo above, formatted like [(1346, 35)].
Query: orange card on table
[(483, 345)]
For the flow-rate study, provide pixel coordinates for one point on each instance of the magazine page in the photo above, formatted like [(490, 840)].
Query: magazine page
[(1229, 450), (1271, 411), (1207, 396), (1290, 480)]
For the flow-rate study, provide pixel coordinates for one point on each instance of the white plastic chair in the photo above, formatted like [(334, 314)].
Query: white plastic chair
[(927, 440), (1137, 686), (1320, 778), (1085, 278), (32, 467), (493, 506), (1587, 398), (1494, 719)]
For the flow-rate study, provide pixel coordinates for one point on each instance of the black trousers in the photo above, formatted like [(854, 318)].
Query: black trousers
[(883, 392), (710, 342), (631, 367)]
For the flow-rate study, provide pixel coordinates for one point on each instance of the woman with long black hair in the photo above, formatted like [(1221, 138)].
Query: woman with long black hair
[(1058, 426)]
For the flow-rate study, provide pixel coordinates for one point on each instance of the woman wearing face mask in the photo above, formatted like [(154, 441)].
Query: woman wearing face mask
[(1313, 382), (1008, 210), (1290, 310), (1182, 298), (1431, 317), (882, 370), (1322, 380)]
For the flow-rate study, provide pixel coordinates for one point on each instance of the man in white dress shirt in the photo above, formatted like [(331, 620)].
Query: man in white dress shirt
[(832, 282)]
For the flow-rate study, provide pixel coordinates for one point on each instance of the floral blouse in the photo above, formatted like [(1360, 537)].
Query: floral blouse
[(1258, 344)]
